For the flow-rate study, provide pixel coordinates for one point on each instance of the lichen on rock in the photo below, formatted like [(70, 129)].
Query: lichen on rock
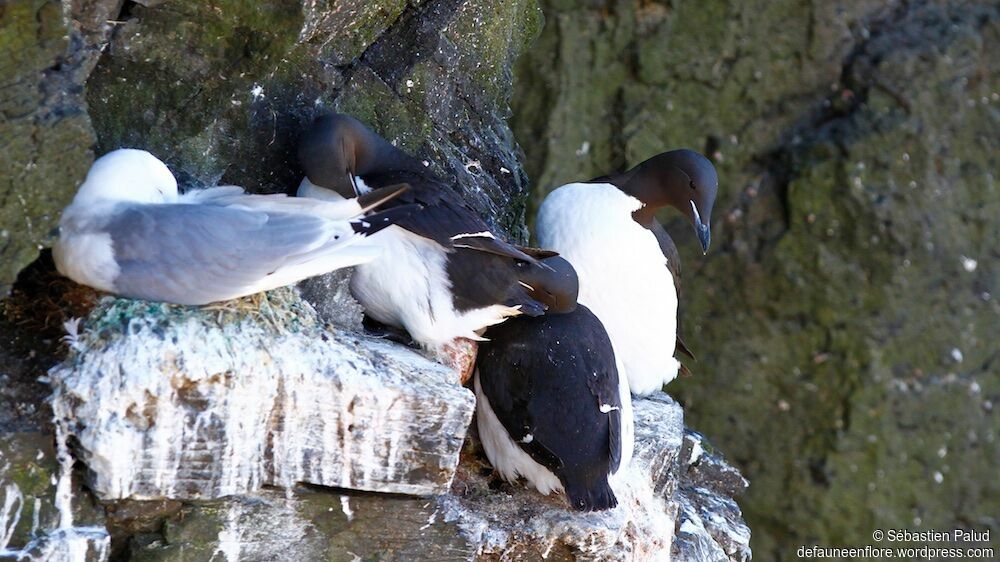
[(856, 144)]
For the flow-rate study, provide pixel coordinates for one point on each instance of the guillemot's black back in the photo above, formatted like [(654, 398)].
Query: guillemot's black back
[(484, 275), (553, 384)]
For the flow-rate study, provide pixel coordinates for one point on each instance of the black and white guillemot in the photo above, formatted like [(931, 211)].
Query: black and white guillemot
[(444, 274), (628, 265), (550, 406)]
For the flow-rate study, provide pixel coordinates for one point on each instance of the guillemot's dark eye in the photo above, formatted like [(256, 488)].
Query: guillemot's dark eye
[(691, 184)]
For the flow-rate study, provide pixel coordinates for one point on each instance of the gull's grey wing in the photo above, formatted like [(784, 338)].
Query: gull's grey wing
[(196, 254)]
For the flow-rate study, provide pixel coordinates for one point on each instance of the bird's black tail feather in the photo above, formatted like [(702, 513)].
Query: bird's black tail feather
[(598, 496), (370, 224)]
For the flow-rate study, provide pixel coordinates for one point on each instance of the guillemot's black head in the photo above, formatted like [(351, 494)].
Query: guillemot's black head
[(682, 179), (337, 147), (551, 281)]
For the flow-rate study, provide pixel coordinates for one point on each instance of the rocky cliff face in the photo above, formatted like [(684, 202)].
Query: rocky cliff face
[(268, 428), (845, 320), (45, 134), (203, 429)]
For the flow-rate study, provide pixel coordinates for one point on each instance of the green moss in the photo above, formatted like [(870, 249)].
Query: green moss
[(27, 462), (854, 178), (44, 145), (370, 99)]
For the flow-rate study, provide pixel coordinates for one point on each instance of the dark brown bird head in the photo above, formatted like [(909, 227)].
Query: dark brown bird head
[(551, 281), (682, 179), (336, 148)]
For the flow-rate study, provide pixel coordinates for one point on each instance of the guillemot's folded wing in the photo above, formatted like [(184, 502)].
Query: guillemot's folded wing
[(511, 397), (445, 217)]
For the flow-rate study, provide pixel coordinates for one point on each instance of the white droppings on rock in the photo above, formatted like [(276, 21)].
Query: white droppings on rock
[(525, 522), (230, 536), (938, 477), (522, 524), (969, 264), (690, 527), (188, 409), (956, 354), (66, 542), (696, 451), (257, 92), (64, 485), (10, 514), (430, 520), (345, 506)]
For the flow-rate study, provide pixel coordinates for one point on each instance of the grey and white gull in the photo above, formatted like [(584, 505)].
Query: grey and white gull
[(129, 232)]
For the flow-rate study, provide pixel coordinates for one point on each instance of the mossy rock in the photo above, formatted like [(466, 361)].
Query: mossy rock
[(844, 319)]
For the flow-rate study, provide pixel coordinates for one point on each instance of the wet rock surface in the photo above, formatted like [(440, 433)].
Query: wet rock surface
[(845, 318), (710, 524), (432, 77)]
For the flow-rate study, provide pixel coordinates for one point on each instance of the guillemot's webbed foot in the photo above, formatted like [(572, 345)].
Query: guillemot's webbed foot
[(376, 329)]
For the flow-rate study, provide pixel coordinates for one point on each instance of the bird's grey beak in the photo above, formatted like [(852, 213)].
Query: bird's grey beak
[(701, 229), (704, 235)]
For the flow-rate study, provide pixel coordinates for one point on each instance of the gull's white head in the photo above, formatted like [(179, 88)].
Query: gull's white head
[(129, 175)]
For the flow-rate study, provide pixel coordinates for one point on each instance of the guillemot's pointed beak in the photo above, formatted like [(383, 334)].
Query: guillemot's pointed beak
[(701, 229), (704, 236)]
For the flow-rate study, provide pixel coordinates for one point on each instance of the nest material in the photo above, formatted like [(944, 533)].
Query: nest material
[(42, 302)]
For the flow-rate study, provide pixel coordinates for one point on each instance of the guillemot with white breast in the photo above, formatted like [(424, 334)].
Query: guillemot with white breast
[(628, 266), (446, 275), (551, 406)]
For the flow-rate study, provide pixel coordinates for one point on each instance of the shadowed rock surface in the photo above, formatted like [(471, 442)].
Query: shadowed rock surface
[(845, 319)]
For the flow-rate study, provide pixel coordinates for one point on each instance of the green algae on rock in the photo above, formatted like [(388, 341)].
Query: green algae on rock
[(45, 132), (844, 320)]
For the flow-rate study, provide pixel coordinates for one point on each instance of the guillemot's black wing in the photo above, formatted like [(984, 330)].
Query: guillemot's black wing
[(553, 384), (445, 218), (506, 377), (670, 252)]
